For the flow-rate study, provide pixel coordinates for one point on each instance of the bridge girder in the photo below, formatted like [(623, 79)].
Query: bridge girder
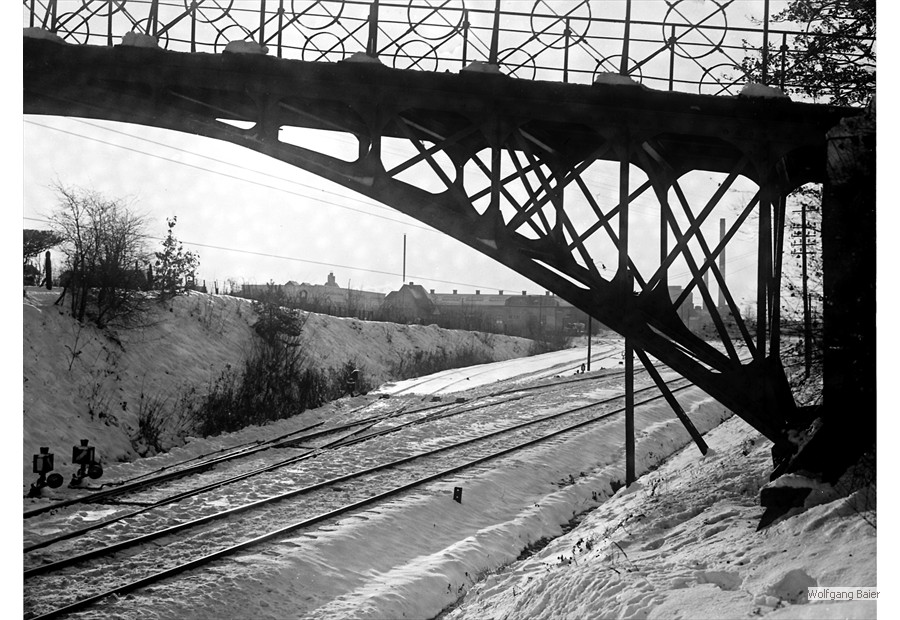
[(539, 135)]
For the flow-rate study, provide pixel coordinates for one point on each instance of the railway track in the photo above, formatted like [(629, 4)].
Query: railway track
[(206, 462), (153, 552)]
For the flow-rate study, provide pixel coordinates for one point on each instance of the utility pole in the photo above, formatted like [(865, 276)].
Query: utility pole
[(807, 322), (589, 343), (804, 243), (404, 260)]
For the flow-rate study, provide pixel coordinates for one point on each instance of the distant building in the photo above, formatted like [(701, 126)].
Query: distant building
[(515, 314), (523, 314), (411, 304), (328, 298)]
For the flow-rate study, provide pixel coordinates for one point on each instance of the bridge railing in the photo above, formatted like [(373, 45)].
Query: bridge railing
[(679, 45)]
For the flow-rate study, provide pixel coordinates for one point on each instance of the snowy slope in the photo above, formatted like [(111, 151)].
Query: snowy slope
[(682, 543), (80, 383)]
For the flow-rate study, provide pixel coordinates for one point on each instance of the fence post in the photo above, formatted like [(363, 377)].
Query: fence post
[(623, 67), (672, 41), (53, 16), (280, 25), (372, 42), (262, 22), (109, 23), (495, 36), (153, 26), (465, 36), (765, 49), (194, 26), (784, 48)]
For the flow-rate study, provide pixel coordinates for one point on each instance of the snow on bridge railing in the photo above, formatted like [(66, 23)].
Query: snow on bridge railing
[(686, 45)]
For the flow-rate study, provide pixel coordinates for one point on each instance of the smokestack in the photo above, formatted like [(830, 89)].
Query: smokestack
[(722, 262), (706, 284)]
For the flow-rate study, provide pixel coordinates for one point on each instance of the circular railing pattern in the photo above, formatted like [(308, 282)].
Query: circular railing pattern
[(672, 44)]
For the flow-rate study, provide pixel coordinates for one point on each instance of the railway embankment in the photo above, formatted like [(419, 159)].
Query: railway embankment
[(80, 382)]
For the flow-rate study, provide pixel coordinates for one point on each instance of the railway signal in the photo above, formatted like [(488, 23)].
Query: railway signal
[(85, 456), (42, 464)]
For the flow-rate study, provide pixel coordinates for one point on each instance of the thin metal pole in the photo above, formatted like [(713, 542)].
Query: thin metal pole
[(194, 26), (465, 49), (629, 413), (495, 36), (590, 318), (807, 319), (625, 274), (53, 23), (765, 49), (784, 48), (566, 33), (623, 67), (672, 41), (372, 42), (31, 14), (109, 23), (280, 25), (154, 18), (262, 22), (404, 259)]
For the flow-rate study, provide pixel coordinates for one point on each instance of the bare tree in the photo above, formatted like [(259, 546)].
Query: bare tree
[(104, 242)]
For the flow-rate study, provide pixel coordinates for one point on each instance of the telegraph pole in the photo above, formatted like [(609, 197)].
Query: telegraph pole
[(589, 343), (804, 287), (807, 320)]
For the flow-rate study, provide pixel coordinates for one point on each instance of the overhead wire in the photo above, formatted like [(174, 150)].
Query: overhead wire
[(589, 179), (306, 260), (231, 176)]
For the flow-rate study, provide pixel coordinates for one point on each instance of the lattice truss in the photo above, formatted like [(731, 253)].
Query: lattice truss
[(606, 221)]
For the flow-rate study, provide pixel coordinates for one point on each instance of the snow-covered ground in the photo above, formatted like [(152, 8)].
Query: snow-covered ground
[(80, 383), (542, 534), (682, 543)]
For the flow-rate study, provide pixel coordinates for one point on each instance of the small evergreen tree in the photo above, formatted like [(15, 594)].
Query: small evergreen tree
[(48, 271), (175, 266)]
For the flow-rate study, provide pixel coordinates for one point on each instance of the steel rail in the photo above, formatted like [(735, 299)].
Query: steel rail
[(81, 604), (277, 442), (313, 453), (50, 567)]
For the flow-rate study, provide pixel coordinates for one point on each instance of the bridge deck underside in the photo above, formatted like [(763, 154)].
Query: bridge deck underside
[(541, 136)]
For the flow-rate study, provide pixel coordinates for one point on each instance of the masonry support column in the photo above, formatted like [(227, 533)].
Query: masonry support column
[(848, 263)]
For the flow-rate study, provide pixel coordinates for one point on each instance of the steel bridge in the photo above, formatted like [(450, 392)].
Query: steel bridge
[(502, 116)]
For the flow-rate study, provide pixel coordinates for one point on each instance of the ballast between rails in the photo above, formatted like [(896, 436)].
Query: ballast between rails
[(278, 442), (350, 507), (45, 568)]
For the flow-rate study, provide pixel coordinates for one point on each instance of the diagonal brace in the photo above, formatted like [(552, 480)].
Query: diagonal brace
[(673, 402)]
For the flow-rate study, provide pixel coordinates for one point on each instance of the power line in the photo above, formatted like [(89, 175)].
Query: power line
[(222, 161), (231, 176), (310, 261)]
